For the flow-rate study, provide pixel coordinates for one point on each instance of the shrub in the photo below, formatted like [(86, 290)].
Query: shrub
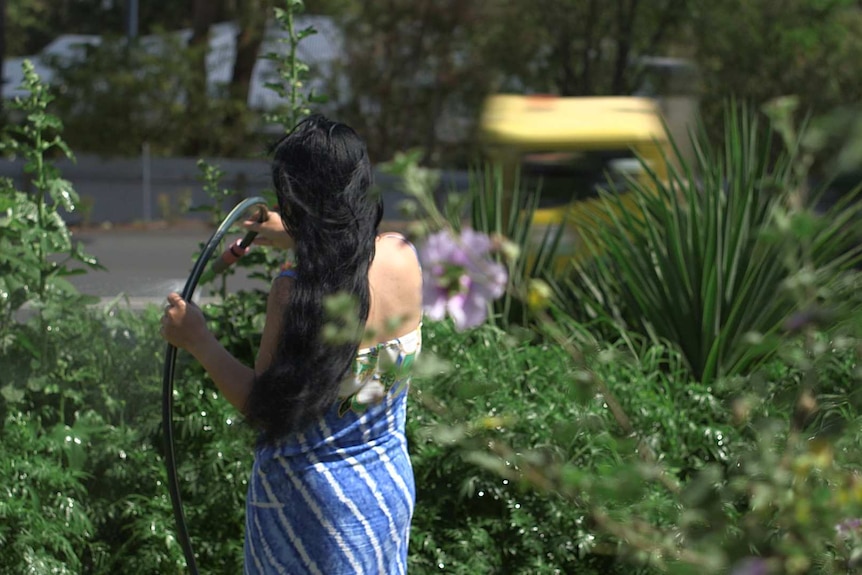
[(477, 512), (726, 247)]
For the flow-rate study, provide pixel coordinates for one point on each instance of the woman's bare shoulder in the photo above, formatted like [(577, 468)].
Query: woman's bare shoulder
[(396, 252), (396, 287)]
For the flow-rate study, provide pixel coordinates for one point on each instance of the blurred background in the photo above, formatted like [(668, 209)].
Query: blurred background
[(144, 87), (726, 322)]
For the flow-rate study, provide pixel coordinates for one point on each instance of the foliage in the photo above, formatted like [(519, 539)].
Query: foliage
[(773, 480), (763, 49), (33, 23), (51, 381), (264, 263), (728, 247), (516, 391), (43, 508), (444, 58), (505, 208), (33, 236), (700, 478), (120, 94), (441, 57), (82, 453), (292, 72), (594, 48), (211, 177), (539, 449), (768, 488)]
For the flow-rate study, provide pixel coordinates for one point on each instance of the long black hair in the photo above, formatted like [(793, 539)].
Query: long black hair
[(322, 176)]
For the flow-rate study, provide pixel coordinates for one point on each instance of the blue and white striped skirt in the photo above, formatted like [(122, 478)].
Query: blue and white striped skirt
[(347, 510)]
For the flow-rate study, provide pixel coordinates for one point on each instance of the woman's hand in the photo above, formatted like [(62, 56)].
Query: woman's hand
[(270, 232), (184, 325)]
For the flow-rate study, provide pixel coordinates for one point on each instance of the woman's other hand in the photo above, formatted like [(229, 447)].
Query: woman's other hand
[(270, 232), (184, 325)]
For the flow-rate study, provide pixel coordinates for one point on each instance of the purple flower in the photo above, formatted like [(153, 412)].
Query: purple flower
[(751, 566), (460, 278), (848, 527)]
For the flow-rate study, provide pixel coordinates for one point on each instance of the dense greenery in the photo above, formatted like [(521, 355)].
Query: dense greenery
[(542, 442), (731, 244), (735, 296), (442, 58)]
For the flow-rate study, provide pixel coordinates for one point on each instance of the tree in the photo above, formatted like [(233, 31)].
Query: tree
[(251, 21), (32, 24), (121, 95), (26, 26), (2, 51), (587, 48), (761, 49), (413, 72), (203, 16), (413, 68)]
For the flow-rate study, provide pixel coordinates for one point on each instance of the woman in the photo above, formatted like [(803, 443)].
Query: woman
[(331, 489)]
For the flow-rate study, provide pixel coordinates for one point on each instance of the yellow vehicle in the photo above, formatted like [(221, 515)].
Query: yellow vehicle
[(571, 148)]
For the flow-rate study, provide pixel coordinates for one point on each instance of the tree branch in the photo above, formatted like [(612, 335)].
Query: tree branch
[(626, 16)]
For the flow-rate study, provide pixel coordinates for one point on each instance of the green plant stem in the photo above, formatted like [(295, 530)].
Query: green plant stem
[(41, 253), (639, 540), (40, 205), (294, 71)]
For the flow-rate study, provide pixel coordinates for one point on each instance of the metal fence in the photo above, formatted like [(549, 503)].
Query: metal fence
[(147, 188)]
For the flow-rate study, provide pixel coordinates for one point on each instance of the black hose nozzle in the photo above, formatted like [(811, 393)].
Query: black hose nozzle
[(240, 247)]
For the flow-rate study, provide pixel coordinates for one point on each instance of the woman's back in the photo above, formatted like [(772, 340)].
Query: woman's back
[(395, 281), (341, 492), (382, 368)]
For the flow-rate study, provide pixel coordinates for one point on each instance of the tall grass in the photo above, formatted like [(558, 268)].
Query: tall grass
[(713, 256)]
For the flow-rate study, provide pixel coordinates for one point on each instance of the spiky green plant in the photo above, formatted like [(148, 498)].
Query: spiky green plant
[(507, 209), (719, 254)]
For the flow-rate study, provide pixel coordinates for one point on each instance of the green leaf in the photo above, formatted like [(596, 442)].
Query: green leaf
[(61, 191), (12, 394)]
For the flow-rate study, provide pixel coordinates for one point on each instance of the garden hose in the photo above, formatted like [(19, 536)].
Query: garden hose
[(233, 253)]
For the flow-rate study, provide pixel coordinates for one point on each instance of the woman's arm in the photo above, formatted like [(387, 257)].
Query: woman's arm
[(271, 231), (233, 379), (184, 326)]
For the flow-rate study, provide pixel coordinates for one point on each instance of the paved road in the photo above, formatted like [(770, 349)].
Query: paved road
[(144, 265)]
